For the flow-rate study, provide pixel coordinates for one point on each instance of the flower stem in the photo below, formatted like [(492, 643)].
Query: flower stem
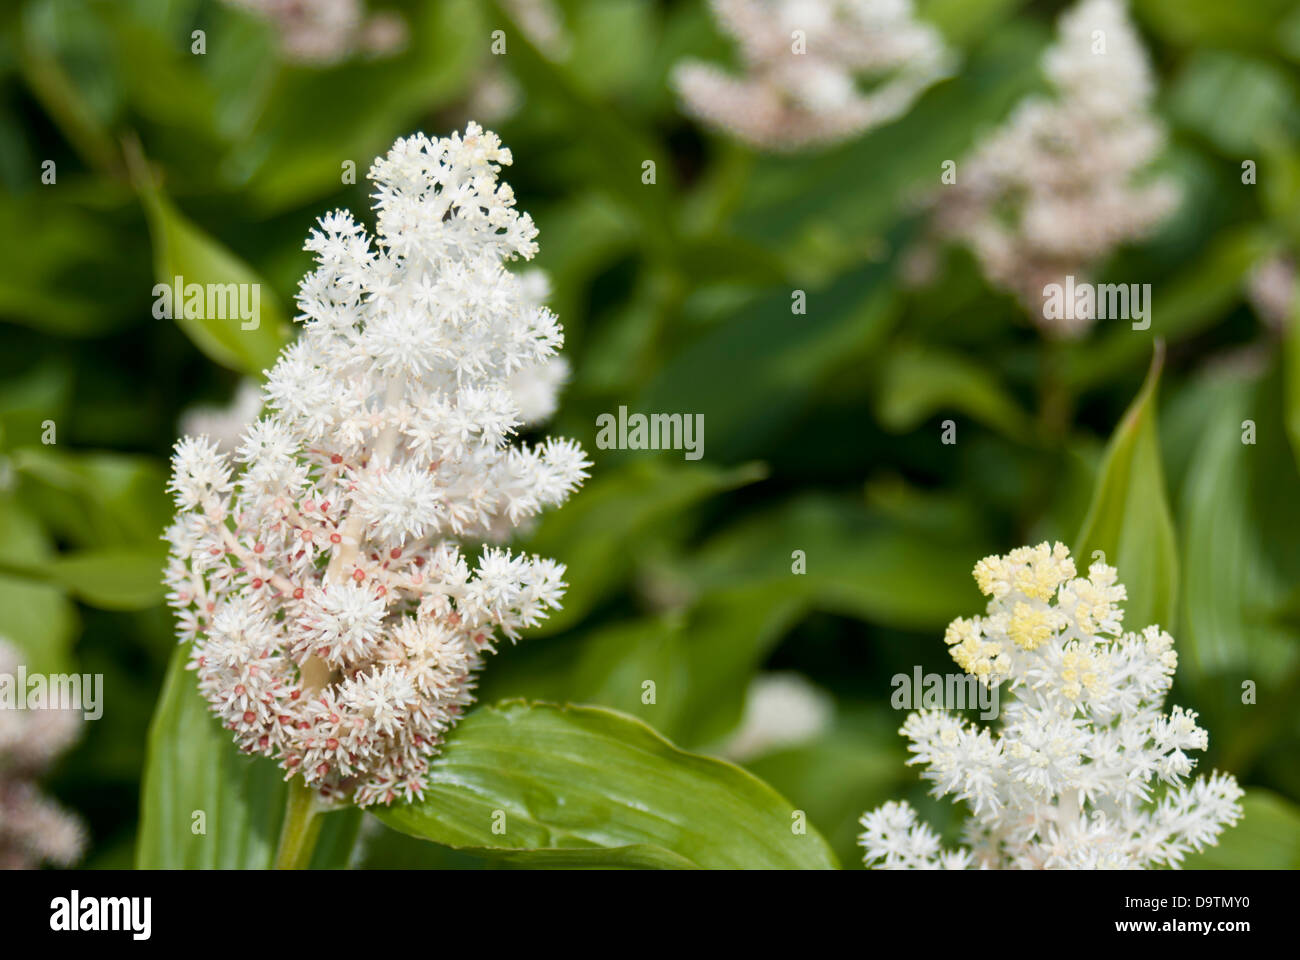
[(301, 828)]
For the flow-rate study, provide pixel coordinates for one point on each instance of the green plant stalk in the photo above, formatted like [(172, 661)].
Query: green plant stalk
[(52, 86), (302, 810), (301, 828)]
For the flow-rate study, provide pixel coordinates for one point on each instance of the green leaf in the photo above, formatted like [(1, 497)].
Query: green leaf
[(382, 848), (962, 21), (918, 381), (97, 499), (781, 358), (823, 209), (1229, 583), (1212, 23), (1262, 95), (852, 768), (1267, 837), (700, 661), (604, 147), (182, 249), (1129, 519), (113, 579), (1198, 297), (859, 562), (312, 119), (193, 767), (587, 787), (1291, 376), (40, 619)]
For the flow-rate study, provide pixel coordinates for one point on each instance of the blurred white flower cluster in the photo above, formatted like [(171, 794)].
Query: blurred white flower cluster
[(33, 829), (805, 63), (1057, 188), (323, 32), (1087, 771), (781, 710), (335, 622)]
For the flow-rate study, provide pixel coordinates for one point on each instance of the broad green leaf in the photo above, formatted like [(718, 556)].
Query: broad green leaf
[(1267, 837), (614, 41), (1129, 519), (1229, 583), (738, 595), (181, 249), (23, 541), (380, 847), (194, 768), (35, 616), (588, 787), (590, 536)]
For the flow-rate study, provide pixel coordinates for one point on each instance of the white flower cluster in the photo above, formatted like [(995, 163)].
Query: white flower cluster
[(781, 710), (323, 32), (535, 387), (1086, 771), (335, 622), (803, 62), (1057, 188), (33, 829)]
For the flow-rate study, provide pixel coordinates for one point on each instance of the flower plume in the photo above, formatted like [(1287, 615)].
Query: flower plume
[(1065, 181), (1087, 771), (335, 622), (803, 60)]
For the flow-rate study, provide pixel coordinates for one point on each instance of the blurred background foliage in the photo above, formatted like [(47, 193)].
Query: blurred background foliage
[(822, 430)]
